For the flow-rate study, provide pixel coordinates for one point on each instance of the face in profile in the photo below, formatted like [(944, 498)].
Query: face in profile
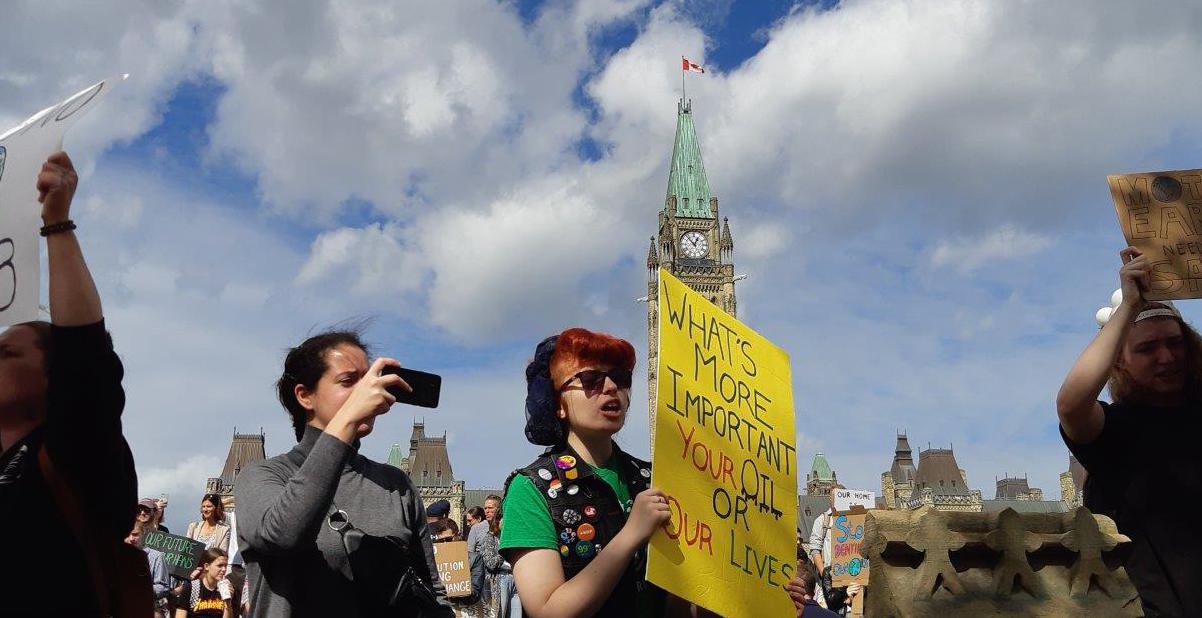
[(345, 365), (23, 380), (216, 568)]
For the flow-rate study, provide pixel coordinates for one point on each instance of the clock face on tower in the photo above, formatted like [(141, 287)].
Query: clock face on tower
[(694, 245)]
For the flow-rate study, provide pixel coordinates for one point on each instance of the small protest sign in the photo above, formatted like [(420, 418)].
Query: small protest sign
[(725, 453), (454, 568), (847, 498), (181, 553), (847, 534), (1161, 215), (23, 149)]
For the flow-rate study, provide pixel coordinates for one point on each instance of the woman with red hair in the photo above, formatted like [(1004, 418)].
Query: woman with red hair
[(577, 519)]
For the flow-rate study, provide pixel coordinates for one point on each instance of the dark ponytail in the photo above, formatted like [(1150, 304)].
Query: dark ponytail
[(304, 365)]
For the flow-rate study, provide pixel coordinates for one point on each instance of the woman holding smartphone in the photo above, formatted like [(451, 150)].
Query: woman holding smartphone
[(296, 563), (577, 519)]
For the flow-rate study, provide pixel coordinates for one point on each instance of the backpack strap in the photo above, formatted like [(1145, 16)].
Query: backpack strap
[(120, 591)]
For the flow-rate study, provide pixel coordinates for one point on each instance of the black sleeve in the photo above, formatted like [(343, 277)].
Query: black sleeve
[(83, 425), (1107, 448)]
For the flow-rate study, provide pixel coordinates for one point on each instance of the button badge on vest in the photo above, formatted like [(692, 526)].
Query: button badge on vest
[(553, 492), (645, 472), (573, 490), (586, 532), (567, 537), (565, 462), (570, 517), (590, 512), (571, 474), (585, 549), (545, 474), (564, 550)]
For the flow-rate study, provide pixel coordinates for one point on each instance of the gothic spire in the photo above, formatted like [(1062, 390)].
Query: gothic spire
[(652, 255), (686, 180)]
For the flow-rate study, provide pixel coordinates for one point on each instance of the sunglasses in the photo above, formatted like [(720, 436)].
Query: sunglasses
[(593, 380)]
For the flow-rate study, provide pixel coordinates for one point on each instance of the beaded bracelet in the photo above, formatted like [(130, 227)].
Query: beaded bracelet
[(54, 228)]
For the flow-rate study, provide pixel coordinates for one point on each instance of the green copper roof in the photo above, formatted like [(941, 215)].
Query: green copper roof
[(395, 456), (687, 180), (821, 470)]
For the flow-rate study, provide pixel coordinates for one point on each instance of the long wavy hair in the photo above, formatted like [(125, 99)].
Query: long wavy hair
[(1124, 388)]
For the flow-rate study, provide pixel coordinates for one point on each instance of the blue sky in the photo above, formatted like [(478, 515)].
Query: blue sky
[(916, 190)]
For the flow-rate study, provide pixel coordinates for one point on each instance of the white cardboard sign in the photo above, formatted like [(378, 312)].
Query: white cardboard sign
[(847, 498), (23, 149)]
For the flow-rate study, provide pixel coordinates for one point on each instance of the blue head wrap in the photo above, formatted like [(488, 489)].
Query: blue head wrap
[(542, 424)]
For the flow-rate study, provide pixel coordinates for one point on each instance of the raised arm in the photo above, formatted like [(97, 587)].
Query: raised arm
[(74, 300), (1081, 415), (539, 572)]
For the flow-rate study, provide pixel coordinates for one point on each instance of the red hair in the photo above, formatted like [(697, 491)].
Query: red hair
[(578, 347)]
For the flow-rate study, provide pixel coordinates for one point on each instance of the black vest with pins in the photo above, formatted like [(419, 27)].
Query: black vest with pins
[(587, 516)]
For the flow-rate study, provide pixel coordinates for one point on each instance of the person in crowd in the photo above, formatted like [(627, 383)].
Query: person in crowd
[(144, 515), (488, 546), (1140, 447), (492, 504), (211, 529), (64, 459), (441, 532), (475, 527), (454, 528), (820, 555), (439, 510), (160, 512), (579, 516), (801, 590), (504, 589), (160, 581), (296, 563), (209, 594), (835, 599)]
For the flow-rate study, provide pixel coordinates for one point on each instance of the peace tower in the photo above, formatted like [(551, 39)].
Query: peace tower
[(689, 243)]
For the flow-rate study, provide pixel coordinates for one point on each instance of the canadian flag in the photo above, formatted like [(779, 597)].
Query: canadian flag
[(685, 65)]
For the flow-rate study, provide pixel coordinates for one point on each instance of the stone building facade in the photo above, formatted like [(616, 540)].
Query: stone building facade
[(245, 448), (690, 241), (429, 466), (1072, 482), (821, 478), (937, 481)]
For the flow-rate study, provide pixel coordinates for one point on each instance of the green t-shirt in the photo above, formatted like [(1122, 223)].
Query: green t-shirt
[(528, 524)]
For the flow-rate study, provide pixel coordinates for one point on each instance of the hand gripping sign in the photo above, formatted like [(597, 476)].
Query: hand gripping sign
[(725, 454), (23, 149)]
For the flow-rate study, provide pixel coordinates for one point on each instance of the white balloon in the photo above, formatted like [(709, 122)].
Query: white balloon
[(1103, 315), (1116, 299)]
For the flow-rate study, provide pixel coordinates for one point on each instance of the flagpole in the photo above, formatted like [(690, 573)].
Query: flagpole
[(682, 72)]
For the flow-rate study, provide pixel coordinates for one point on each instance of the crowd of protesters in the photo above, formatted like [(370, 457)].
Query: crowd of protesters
[(325, 531)]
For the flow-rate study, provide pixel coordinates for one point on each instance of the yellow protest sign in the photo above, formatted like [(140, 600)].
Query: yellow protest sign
[(1161, 215), (725, 453)]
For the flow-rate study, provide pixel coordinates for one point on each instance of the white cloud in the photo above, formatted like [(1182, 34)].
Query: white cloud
[(859, 135), (187, 477), (966, 255)]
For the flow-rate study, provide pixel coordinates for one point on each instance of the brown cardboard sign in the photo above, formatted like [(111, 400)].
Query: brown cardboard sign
[(1161, 215), (454, 568), (847, 535)]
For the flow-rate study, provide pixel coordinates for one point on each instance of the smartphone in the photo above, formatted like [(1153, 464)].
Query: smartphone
[(426, 386)]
